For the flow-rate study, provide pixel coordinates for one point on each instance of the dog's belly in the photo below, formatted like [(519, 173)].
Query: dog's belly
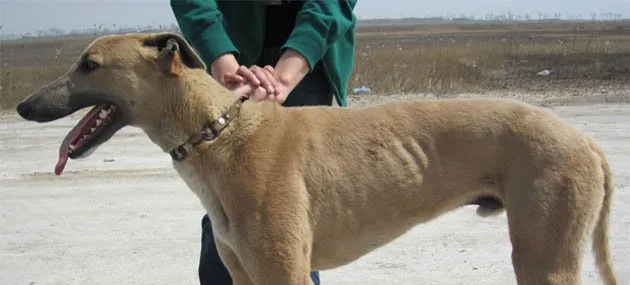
[(339, 250), (360, 217), (353, 231)]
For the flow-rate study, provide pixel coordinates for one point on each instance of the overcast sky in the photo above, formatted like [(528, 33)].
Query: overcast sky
[(20, 16)]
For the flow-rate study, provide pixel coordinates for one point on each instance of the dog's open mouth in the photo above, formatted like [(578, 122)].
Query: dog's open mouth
[(93, 129)]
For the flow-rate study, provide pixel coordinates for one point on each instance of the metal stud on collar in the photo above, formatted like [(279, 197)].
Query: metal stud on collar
[(207, 133)]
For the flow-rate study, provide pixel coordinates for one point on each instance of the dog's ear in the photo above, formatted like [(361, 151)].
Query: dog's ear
[(174, 51)]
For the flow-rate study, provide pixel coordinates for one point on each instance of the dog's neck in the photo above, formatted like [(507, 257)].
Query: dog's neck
[(197, 100)]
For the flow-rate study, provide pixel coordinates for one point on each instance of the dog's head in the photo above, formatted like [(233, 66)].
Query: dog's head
[(124, 78)]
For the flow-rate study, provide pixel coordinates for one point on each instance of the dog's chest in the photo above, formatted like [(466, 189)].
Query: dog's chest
[(200, 184)]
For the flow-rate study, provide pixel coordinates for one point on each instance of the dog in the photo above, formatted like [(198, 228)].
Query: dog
[(295, 189)]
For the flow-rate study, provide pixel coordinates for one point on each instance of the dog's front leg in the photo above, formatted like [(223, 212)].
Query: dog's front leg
[(287, 266), (233, 265), (277, 252)]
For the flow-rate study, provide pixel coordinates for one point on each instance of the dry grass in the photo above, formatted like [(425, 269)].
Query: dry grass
[(442, 59), (474, 58), (434, 67), (26, 65)]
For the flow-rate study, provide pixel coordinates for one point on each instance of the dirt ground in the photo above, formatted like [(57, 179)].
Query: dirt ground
[(122, 216)]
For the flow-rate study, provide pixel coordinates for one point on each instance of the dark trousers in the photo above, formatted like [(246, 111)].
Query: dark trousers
[(312, 90)]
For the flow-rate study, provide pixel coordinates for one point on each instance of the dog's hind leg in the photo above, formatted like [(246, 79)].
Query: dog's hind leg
[(550, 218)]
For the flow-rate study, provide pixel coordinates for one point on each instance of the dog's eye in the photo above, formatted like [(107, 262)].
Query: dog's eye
[(89, 65)]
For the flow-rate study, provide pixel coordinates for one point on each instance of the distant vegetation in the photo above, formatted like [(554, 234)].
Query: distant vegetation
[(103, 29), (444, 56), (94, 30)]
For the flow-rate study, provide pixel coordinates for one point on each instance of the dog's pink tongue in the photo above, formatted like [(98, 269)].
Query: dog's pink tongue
[(73, 135), (63, 159)]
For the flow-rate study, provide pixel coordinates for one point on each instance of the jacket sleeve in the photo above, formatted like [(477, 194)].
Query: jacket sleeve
[(318, 25), (202, 23)]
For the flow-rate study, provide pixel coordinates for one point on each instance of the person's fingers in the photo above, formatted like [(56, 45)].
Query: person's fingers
[(253, 93), (281, 97), (269, 72), (278, 95), (257, 94), (248, 75), (243, 90), (266, 81), (233, 78), (270, 68)]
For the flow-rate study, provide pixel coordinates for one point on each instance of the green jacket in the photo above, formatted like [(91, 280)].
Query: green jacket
[(324, 32)]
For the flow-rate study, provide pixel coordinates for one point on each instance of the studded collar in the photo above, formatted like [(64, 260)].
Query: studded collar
[(208, 133)]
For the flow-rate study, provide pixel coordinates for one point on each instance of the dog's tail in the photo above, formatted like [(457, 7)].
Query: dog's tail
[(600, 246)]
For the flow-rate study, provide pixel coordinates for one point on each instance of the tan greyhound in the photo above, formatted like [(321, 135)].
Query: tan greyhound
[(290, 190)]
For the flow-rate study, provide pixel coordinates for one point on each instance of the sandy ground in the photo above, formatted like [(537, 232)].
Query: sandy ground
[(122, 216)]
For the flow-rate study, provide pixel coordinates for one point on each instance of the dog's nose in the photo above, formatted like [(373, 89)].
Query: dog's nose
[(25, 110)]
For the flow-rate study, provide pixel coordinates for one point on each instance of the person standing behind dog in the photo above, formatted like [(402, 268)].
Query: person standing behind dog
[(299, 53)]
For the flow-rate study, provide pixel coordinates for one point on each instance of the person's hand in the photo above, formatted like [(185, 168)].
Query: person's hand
[(289, 71), (223, 65), (263, 79), (262, 83), (224, 70)]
